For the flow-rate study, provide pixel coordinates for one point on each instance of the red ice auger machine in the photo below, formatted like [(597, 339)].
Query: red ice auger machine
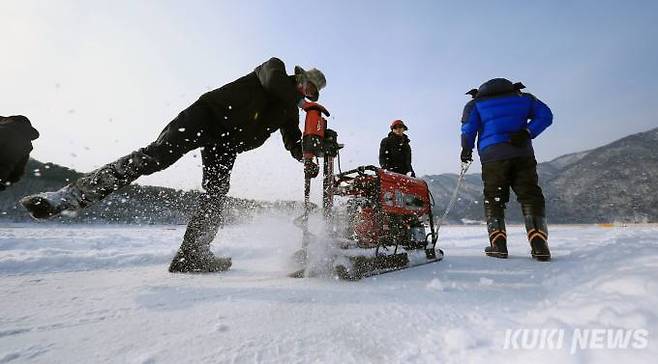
[(377, 221)]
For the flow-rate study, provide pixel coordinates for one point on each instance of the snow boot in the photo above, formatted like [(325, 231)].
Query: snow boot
[(194, 255), (200, 260), (92, 187), (497, 238), (538, 237), (49, 204)]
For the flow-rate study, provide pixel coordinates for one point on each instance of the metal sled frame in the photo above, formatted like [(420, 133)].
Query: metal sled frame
[(361, 266)]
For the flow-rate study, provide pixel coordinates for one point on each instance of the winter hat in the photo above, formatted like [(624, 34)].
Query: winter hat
[(397, 123), (314, 76), (496, 86)]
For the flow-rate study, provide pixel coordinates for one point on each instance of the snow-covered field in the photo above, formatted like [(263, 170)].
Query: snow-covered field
[(94, 294)]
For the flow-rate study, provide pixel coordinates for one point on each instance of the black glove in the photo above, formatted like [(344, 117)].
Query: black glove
[(467, 155), (16, 135), (296, 151), (520, 138), (311, 170)]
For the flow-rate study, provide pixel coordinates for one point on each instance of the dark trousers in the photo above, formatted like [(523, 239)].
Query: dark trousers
[(195, 127), (192, 129), (520, 174)]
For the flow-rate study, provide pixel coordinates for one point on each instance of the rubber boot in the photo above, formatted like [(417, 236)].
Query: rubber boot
[(538, 237), (90, 188), (194, 255), (497, 237)]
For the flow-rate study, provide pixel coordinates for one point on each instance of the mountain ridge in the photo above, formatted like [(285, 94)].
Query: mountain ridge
[(140, 204), (593, 186)]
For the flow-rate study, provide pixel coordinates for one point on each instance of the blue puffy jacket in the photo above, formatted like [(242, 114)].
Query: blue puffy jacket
[(494, 119)]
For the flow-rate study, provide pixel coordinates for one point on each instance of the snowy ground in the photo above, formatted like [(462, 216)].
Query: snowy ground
[(84, 294)]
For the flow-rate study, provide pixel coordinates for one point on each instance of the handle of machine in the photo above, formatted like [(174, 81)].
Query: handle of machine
[(453, 199)]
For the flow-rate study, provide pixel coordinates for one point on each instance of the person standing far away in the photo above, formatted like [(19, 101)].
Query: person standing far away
[(395, 151)]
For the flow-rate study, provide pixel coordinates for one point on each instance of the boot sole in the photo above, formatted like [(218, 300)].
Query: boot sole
[(541, 258), (496, 255), (188, 270), (199, 271)]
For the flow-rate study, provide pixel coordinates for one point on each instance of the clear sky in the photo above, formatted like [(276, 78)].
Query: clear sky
[(102, 78)]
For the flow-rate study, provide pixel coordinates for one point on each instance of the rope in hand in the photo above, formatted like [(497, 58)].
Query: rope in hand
[(453, 199)]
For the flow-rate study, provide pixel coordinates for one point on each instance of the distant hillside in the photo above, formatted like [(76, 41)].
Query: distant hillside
[(133, 204), (615, 182)]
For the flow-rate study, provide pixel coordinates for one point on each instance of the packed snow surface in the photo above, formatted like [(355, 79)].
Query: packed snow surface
[(102, 294)]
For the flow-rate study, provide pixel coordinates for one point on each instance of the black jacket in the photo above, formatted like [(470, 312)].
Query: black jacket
[(395, 154), (16, 135), (251, 108)]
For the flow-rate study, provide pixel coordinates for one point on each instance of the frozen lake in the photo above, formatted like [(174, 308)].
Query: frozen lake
[(102, 294)]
